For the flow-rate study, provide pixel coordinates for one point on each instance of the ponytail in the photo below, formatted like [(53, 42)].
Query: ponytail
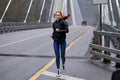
[(64, 17)]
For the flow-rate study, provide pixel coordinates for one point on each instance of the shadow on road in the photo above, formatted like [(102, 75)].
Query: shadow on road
[(42, 56)]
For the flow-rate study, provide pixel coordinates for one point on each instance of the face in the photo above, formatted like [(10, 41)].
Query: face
[(58, 16)]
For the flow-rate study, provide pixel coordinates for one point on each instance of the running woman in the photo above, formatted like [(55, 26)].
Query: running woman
[(60, 28)]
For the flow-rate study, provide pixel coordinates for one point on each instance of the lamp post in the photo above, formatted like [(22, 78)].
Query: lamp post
[(100, 17), (98, 38), (100, 2)]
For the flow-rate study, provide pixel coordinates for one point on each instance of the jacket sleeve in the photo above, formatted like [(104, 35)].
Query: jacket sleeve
[(53, 27), (65, 30)]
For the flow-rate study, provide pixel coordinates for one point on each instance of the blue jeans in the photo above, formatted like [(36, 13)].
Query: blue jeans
[(59, 47)]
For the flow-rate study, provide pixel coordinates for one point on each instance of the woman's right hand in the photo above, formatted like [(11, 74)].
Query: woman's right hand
[(51, 36), (57, 29)]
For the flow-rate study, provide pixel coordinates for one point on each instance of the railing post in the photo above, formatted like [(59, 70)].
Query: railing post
[(106, 44), (118, 56), (96, 40)]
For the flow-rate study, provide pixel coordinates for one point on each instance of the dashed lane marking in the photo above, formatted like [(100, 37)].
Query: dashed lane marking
[(23, 40)]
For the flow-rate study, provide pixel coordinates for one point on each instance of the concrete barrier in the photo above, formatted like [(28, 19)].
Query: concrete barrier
[(12, 26)]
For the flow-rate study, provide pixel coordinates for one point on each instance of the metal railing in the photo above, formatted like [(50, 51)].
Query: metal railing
[(18, 26), (105, 51)]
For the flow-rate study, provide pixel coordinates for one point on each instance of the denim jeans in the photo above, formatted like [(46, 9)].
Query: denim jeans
[(59, 48)]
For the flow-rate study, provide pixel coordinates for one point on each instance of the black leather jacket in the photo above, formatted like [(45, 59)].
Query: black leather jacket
[(63, 27)]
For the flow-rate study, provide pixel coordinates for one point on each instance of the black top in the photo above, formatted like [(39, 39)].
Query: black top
[(63, 27)]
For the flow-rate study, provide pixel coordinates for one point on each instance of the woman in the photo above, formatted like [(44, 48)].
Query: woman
[(60, 28)]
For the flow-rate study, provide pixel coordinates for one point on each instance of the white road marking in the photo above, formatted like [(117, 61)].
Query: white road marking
[(65, 77), (23, 40)]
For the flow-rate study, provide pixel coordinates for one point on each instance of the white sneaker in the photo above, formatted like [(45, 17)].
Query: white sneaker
[(58, 73), (64, 70)]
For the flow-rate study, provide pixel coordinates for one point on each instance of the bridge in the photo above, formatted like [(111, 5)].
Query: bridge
[(26, 48)]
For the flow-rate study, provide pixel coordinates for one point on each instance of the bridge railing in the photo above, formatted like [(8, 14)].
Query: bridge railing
[(106, 52), (18, 26)]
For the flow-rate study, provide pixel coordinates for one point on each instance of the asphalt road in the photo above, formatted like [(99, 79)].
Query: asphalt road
[(24, 53), (84, 10), (89, 11)]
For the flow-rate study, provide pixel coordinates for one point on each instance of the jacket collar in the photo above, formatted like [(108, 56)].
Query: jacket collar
[(59, 20)]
